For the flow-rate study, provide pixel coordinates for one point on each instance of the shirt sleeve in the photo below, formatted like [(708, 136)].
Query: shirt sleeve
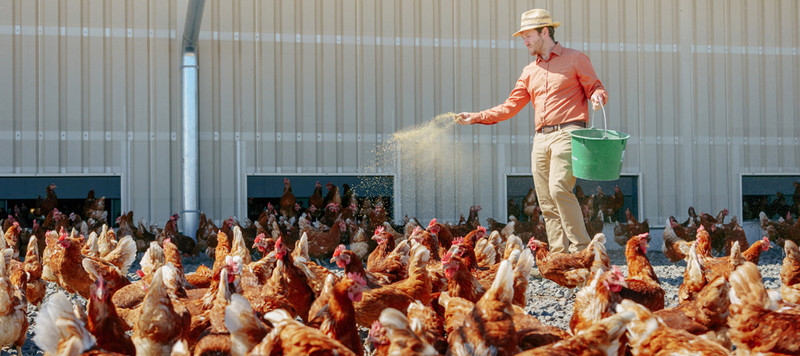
[(517, 100), (588, 78)]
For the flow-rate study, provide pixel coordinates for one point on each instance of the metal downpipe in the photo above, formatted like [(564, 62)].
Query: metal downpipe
[(190, 116)]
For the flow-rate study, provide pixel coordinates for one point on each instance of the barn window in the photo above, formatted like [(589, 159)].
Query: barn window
[(773, 194), (517, 187), (71, 191), (263, 190)]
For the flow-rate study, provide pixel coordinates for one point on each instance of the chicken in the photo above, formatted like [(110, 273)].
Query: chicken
[(289, 337), (162, 321), (623, 232), (245, 328), (337, 318), (492, 318), (457, 313), (388, 258), (206, 236), (570, 270), (442, 234), (533, 333), (649, 335), (694, 276), (13, 319), (674, 248), (602, 338), (402, 339), (428, 325), (594, 224), (66, 262), (643, 285), (705, 314), (288, 200), (597, 299), (734, 232), (287, 288), (50, 202), (321, 243), (753, 253), (461, 281), (104, 322), (185, 244), (529, 204), (316, 203), (215, 340), (347, 260), (400, 294), (35, 287), (59, 330), (756, 325), (472, 223), (315, 274), (11, 236), (790, 273), (781, 230)]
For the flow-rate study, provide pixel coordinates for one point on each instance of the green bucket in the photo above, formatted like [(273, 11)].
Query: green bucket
[(598, 154)]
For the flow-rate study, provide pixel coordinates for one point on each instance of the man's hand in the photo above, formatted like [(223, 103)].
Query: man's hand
[(464, 118), (597, 100)]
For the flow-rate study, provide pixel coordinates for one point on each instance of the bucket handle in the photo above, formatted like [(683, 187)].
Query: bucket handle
[(605, 120)]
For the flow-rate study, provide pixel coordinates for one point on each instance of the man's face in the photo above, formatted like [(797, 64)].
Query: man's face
[(533, 40)]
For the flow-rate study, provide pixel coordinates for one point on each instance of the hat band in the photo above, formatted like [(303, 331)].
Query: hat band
[(537, 24)]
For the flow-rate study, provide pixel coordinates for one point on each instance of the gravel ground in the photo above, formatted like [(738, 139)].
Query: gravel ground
[(549, 302)]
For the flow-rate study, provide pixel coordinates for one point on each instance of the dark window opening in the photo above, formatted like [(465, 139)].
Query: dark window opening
[(776, 196), (264, 190), (519, 185), (23, 194)]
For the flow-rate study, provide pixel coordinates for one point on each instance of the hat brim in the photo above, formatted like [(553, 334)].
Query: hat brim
[(554, 24)]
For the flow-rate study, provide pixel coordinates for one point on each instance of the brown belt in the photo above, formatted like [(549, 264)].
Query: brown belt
[(553, 128)]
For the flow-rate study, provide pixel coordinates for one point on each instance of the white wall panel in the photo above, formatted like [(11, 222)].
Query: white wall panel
[(707, 89)]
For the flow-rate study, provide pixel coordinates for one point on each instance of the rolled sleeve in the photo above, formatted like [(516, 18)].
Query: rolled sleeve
[(517, 100)]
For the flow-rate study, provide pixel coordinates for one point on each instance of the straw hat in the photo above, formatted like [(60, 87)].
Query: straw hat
[(534, 19)]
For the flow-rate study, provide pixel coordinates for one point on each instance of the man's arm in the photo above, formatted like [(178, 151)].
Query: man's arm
[(517, 100), (592, 86)]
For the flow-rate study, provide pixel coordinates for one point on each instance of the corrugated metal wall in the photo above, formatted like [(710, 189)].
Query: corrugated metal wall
[(706, 88)]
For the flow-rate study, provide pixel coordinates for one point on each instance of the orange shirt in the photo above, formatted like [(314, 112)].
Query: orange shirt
[(560, 88)]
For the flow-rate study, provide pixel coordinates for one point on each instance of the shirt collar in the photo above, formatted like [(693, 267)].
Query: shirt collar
[(556, 50)]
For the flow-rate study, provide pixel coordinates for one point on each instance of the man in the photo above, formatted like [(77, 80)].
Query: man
[(558, 81)]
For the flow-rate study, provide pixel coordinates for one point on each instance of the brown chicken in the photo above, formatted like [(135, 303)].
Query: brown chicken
[(320, 242), (623, 232), (734, 232), (388, 258), (649, 335), (705, 314), (533, 333), (400, 294), (185, 244), (570, 270), (316, 203), (602, 338), (287, 288), (161, 321), (755, 324), (350, 263), (337, 318), (461, 281), (246, 330), (643, 285), (289, 337), (753, 253), (428, 325), (104, 323), (35, 287), (66, 263), (597, 299), (402, 339), (790, 273), (315, 274), (13, 319), (287, 200), (206, 236), (442, 234), (11, 237), (70, 337), (674, 248)]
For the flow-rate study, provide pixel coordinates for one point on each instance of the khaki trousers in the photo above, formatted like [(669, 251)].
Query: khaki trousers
[(551, 160)]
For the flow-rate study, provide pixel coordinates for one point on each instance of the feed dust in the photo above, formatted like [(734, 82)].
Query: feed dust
[(424, 158)]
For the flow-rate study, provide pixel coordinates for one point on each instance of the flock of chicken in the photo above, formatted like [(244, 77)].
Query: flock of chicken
[(443, 289)]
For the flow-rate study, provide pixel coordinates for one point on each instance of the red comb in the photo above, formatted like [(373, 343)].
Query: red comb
[(458, 240), (447, 256), (140, 273), (339, 250), (433, 222), (481, 229), (379, 230), (355, 277)]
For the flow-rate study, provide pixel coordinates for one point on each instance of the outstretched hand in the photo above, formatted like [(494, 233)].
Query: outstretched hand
[(463, 118)]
